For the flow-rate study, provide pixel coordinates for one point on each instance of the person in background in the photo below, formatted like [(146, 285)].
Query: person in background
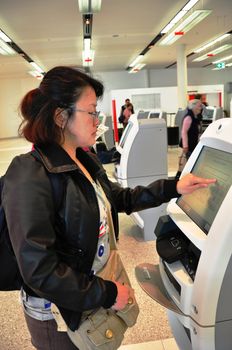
[(126, 104), (190, 130), (128, 109), (60, 253), (200, 115)]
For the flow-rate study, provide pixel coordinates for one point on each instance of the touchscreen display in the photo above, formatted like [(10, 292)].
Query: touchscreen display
[(203, 204)]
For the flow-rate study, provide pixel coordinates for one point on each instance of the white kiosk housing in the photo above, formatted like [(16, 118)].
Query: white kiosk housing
[(197, 287), (107, 135), (143, 149)]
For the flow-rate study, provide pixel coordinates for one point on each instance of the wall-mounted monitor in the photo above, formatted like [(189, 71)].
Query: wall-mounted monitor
[(203, 204)]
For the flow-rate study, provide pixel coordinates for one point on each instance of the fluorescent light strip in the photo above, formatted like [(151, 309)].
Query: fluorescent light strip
[(189, 5), (36, 74), (229, 64), (6, 49), (88, 58), (138, 58), (220, 38), (137, 68), (87, 44), (214, 52), (223, 59), (4, 37), (178, 16), (185, 26), (89, 6), (35, 65), (173, 22)]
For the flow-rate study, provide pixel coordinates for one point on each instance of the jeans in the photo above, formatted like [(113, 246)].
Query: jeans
[(44, 335)]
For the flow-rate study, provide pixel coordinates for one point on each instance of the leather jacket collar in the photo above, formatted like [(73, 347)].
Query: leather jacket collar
[(56, 160)]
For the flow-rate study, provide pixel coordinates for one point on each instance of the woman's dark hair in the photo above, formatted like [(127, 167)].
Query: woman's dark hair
[(61, 87)]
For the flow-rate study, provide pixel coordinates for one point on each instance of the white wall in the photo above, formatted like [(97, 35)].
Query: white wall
[(11, 93), (119, 80), (196, 76), (168, 97), (160, 78)]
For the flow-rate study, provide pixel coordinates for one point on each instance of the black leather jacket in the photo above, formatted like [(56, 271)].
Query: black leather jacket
[(55, 251)]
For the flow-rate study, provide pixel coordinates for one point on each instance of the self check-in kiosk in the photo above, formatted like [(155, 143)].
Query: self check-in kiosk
[(196, 286), (106, 125), (211, 114), (143, 149)]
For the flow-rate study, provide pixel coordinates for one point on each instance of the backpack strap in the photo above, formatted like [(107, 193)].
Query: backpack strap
[(57, 183)]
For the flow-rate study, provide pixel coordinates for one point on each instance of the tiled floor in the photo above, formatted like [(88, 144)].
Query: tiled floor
[(151, 332), (166, 344)]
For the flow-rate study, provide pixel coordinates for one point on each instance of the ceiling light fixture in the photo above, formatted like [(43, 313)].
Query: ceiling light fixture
[(88, 58), (36, 74), (5, 49), (89, 6), (87, 44), (184, 26), (137, 68), (178, 16), (213, 53), (4, 37), (229, 64), (223, 59), (211, 43), (37, 68), (136, 60)]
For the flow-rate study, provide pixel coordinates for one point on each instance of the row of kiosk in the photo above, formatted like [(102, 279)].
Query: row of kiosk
[(143, 150)]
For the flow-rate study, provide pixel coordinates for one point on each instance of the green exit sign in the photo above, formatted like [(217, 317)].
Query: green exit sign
[(220, 65)]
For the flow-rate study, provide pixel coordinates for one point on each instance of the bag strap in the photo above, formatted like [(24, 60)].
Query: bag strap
[(57, 183), (112, 240)]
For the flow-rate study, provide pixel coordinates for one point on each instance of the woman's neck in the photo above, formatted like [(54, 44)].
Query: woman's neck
[(72, 154), (70, 149)]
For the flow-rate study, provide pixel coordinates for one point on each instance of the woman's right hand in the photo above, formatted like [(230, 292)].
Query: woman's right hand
[(125, 296), (190, 182)]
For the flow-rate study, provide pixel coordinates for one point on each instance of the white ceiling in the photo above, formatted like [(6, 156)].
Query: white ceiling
[(51, 32)]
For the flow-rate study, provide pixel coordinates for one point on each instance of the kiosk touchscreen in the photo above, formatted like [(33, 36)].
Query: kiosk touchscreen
[(202, 206), (196, 285)]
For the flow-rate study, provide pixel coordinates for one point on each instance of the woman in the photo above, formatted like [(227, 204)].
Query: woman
[(191, 126), (128, 111), (60, 118)]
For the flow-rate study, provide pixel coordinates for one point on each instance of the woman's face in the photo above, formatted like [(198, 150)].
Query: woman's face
[(81, 128), (197, 108)]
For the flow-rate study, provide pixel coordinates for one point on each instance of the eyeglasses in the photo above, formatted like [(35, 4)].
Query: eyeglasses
[(94, 115)]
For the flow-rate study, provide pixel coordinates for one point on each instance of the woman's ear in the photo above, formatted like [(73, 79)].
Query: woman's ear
[(60, 118)]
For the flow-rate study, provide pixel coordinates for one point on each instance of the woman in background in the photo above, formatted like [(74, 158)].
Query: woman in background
[(190, 131)]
